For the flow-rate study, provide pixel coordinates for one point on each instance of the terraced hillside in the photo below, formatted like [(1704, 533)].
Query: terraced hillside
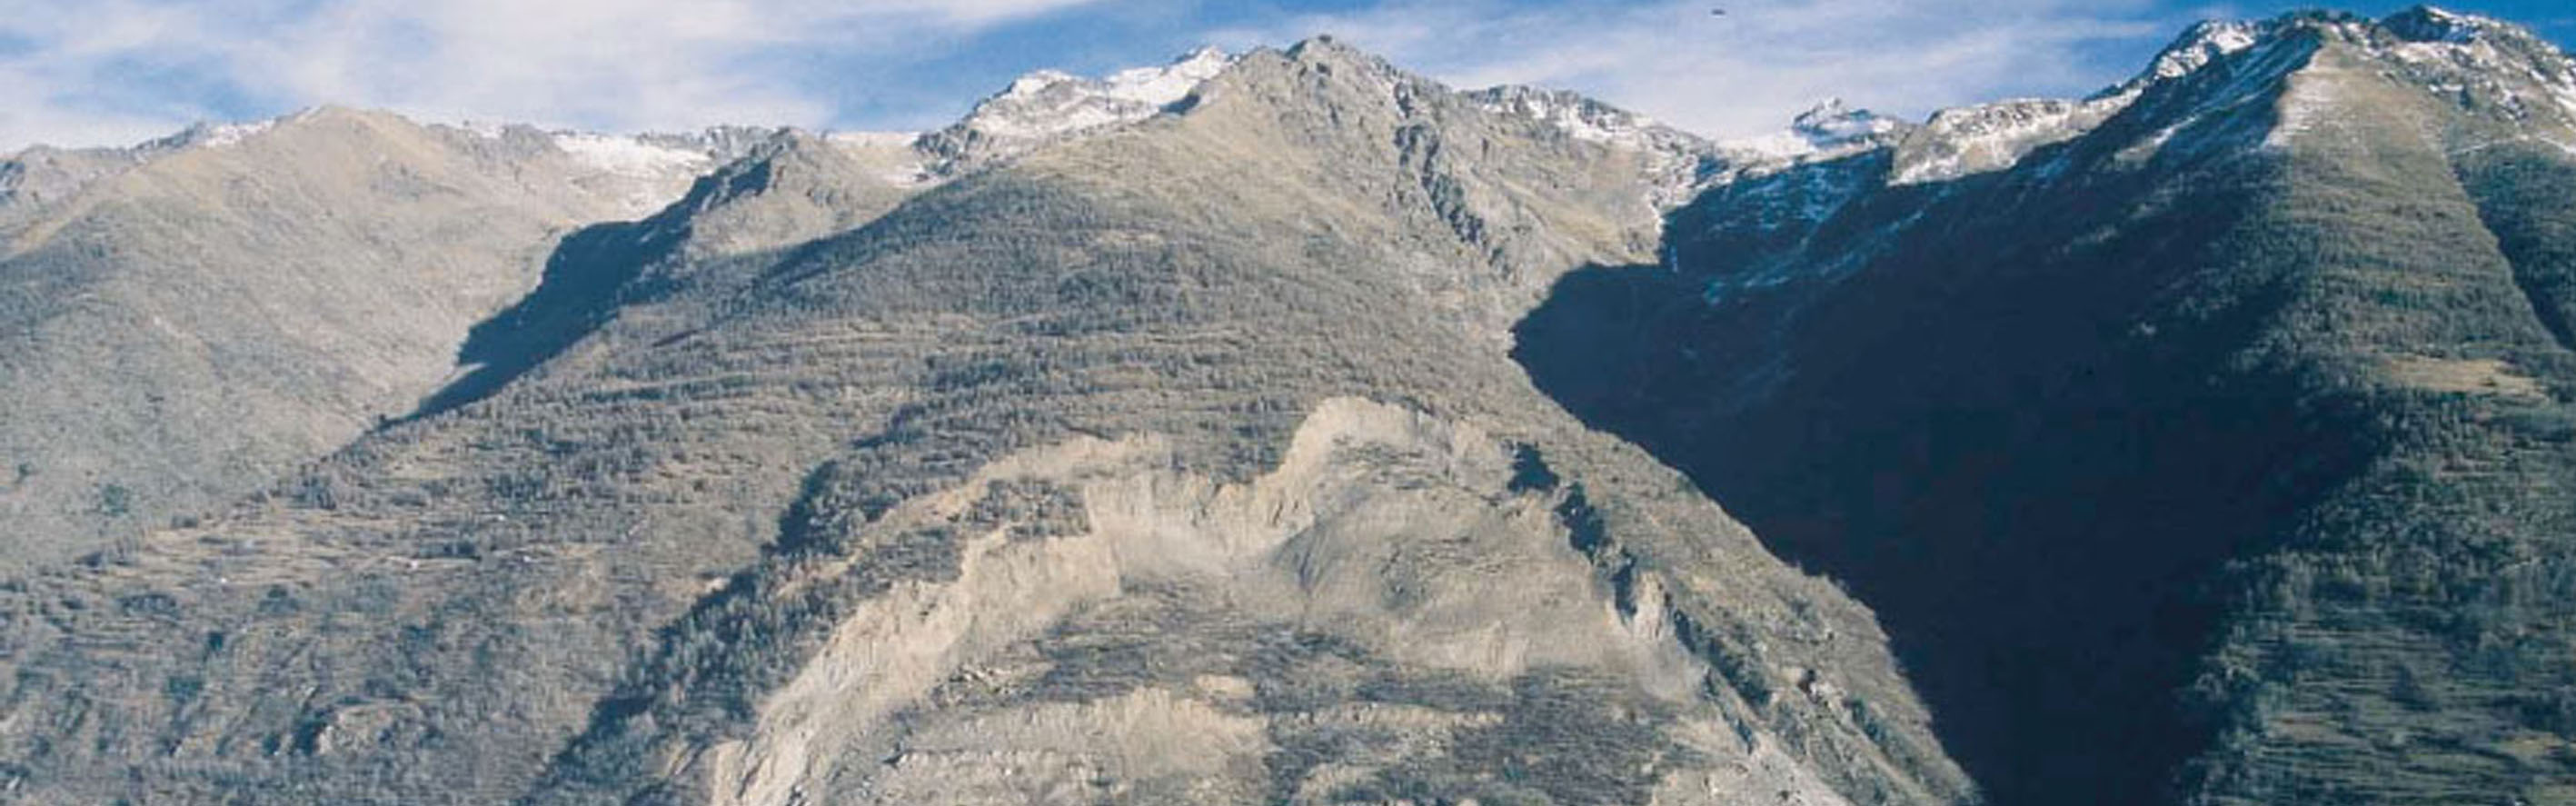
[(1183, 461), (186, 321)]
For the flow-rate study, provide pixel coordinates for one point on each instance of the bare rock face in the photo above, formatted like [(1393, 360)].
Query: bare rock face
[(1400, 604), (1181, 461)]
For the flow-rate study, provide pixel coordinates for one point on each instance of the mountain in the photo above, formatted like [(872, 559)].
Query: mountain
[(1285, 427), (188, 319), (1050, 106), (2204, 441), (1179, 459)]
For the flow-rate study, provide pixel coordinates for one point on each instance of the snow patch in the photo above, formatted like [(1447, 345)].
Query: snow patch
[(2204, 43), (1052, 103), (1579, 117), (1776, 146), (212, 135), (629, 156), (646, 175), (1832, 124), (1977, 139), (2482, 63), (1166, 85), (2302, 108), (2148, 147), (1831, 129), (1676, 162), (874, 139), (232, 133), (2429, 24)]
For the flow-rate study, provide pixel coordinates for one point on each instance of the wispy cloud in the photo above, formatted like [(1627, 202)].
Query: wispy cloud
[(1756, 65), (109, 71), (121, 70)]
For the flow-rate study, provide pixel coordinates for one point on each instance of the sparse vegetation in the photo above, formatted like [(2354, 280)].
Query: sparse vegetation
[(115, 500), (586, 581), (197, 323)]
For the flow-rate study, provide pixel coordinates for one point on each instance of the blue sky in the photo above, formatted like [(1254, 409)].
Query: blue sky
[(118, 71)]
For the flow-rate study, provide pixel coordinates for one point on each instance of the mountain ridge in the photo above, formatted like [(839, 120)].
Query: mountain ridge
[(821, 410), (1374, 434), (2099, 427)]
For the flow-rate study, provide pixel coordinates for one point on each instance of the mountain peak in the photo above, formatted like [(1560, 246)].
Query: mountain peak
[(1983, 137), (222, 134), (1054, 101), (1834, 122), (2431, 24), (2425, 27), (2502, 70), (1829, 129), (210, 135), (2482, 62), (1037, 81), (1580, 116), (1319, 43), (2202, 43), (1048, 105), (1170, 82)]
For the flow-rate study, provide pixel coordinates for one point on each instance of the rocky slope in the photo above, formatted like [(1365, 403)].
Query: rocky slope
[(1180, 461), (2207, 441), (186, 320)]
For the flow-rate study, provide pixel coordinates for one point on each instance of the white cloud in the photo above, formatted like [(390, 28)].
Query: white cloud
[(112, 71), (1751, 69), (100, 72)]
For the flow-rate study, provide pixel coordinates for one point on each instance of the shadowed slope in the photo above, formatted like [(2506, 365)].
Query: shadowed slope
[(2161, 453), (791, 188)]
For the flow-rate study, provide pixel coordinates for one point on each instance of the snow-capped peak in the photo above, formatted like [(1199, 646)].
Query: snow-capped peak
[(1051, 103), (1675, 160), (1037, 81), (2202, 43), (1833, 123), (212, 135), (1975, 139), (2429, 24), (1579, 117), (1048, 106), (1831, 128), (231, 133), (2494, 67), (1163, 86), (1984, 137)]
